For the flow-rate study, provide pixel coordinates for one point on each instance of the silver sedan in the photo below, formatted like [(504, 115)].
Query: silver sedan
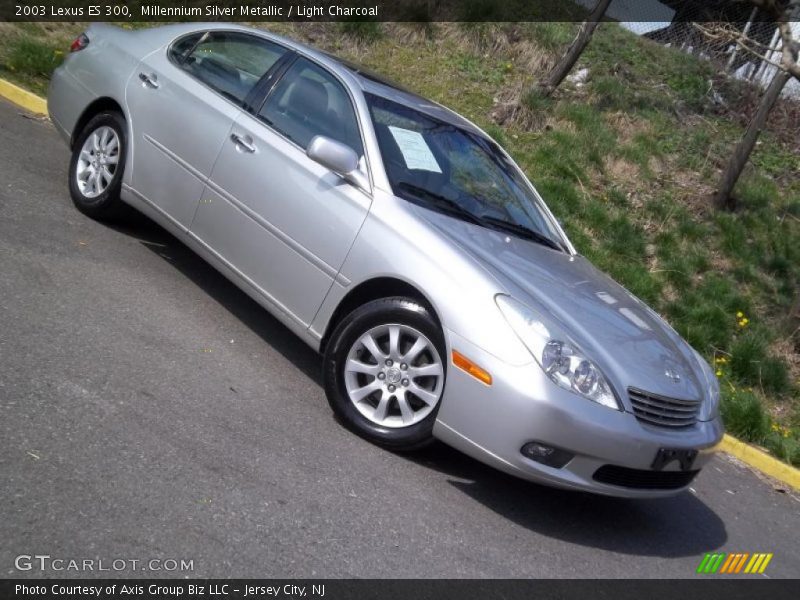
[(397, 239)]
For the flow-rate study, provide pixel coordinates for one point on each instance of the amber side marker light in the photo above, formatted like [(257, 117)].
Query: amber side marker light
[(465, 364)]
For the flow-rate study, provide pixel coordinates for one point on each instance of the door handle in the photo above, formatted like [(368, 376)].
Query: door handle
[(149, 80), (245, 143)]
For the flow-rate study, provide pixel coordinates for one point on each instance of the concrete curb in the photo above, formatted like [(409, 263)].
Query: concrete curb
[(24, 98), (758, 459)]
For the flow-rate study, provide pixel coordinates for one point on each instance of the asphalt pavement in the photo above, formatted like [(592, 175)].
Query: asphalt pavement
[(151, 410)]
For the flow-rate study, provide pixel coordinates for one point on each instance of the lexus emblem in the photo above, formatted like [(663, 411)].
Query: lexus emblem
[(673, 375)]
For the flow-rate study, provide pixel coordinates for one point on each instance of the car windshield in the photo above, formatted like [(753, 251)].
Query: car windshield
[(456, 171)]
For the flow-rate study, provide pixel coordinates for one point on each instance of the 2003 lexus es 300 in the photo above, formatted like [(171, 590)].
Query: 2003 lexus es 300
[(400, 241)]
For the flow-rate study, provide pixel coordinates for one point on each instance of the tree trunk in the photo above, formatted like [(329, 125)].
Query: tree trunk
[(722, 198), (564, 66)]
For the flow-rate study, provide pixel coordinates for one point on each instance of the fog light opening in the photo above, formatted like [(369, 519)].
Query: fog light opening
[(546, 455)]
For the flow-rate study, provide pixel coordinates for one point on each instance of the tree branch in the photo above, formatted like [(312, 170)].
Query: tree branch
[(781, 11)]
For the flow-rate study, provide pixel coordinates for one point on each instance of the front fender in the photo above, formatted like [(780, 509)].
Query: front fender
[(394, 242)]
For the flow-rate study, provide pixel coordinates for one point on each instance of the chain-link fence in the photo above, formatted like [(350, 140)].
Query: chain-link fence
[(710, 29)]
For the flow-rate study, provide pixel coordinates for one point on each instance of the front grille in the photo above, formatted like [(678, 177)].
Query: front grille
[(643, 480), (663, 412)]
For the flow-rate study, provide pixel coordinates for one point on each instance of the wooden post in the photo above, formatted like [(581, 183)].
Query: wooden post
[(722, 199), (564, 66)]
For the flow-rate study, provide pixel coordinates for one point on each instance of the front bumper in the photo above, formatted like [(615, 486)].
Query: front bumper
[(492, 423)]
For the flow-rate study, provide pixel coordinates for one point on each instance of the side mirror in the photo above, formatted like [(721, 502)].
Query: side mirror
[(339, 158)]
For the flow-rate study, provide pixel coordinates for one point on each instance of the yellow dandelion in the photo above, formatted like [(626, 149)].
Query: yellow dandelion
[(719, 373), (739, 315)]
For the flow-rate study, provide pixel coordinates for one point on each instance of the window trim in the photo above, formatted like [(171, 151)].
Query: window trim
[(245, 104), (255, 100), (259, 103), (262, 102), (268, 81)]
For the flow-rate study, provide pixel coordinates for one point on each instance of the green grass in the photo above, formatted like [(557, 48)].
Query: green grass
[(745, 416), (30, 61), (553, 36), (363, 31), (627, 162)]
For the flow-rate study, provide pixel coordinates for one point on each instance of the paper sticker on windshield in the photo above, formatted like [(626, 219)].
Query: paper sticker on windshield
[(415, 150)]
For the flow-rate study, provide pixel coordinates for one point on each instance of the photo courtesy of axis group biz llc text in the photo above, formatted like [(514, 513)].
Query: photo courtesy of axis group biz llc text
[(465, 299)]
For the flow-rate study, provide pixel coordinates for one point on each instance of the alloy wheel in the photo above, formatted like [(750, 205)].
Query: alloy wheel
[(97, 162), (394, 375)]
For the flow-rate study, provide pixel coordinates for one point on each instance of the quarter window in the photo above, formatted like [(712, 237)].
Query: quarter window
[(309, 101), (228, 62)]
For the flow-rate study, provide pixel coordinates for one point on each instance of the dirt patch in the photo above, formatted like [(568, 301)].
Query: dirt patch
[(719, 262), (627, 127), (786, 349), (508, 109), (508, 41), (622, 170)]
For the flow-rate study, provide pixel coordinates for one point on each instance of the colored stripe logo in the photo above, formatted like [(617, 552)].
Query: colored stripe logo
[(735, 562)]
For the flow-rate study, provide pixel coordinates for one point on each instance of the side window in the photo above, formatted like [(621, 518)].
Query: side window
[(180, 49), (309, 101), (230, 63)]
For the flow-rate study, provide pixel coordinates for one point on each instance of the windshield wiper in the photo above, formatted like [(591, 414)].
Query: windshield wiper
[(522, 231), (454, 208), (441, 202)]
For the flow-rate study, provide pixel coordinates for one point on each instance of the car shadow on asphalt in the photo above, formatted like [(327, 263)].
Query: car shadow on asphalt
[(668, 527), (682, 525), (159, 241)]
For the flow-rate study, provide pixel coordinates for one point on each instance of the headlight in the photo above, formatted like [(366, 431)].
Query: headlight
[(709, 410), (561, 360)]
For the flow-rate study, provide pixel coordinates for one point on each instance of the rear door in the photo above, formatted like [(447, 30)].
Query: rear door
[(183, 101), (285, 222)]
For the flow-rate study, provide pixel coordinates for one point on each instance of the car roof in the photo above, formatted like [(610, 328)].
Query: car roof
[(368, 81), (402, 96), (376, 84)]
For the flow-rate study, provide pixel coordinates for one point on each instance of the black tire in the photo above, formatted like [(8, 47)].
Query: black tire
[(385, 311), (107, 205)]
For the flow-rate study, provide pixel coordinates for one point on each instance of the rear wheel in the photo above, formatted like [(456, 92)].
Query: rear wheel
[(98, 160), (385, 374)]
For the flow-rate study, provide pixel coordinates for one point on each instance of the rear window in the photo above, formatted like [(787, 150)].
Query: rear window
[(230, 63)]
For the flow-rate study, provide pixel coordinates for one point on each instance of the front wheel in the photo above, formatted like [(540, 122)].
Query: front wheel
[(385, 374), (95, 171)]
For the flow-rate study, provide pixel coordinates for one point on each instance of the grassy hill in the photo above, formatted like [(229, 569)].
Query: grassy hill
[(627, 160)]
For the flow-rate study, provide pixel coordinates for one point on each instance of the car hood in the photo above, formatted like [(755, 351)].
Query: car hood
[(629, 341)]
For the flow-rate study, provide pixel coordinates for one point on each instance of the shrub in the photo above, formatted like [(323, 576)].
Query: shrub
[(34, 58), (744, 415)]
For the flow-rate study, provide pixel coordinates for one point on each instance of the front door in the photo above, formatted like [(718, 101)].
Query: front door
[(283, 221)]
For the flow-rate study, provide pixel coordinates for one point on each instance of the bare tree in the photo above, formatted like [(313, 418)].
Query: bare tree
[(787, 67), (564, 66), (737, 162)]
